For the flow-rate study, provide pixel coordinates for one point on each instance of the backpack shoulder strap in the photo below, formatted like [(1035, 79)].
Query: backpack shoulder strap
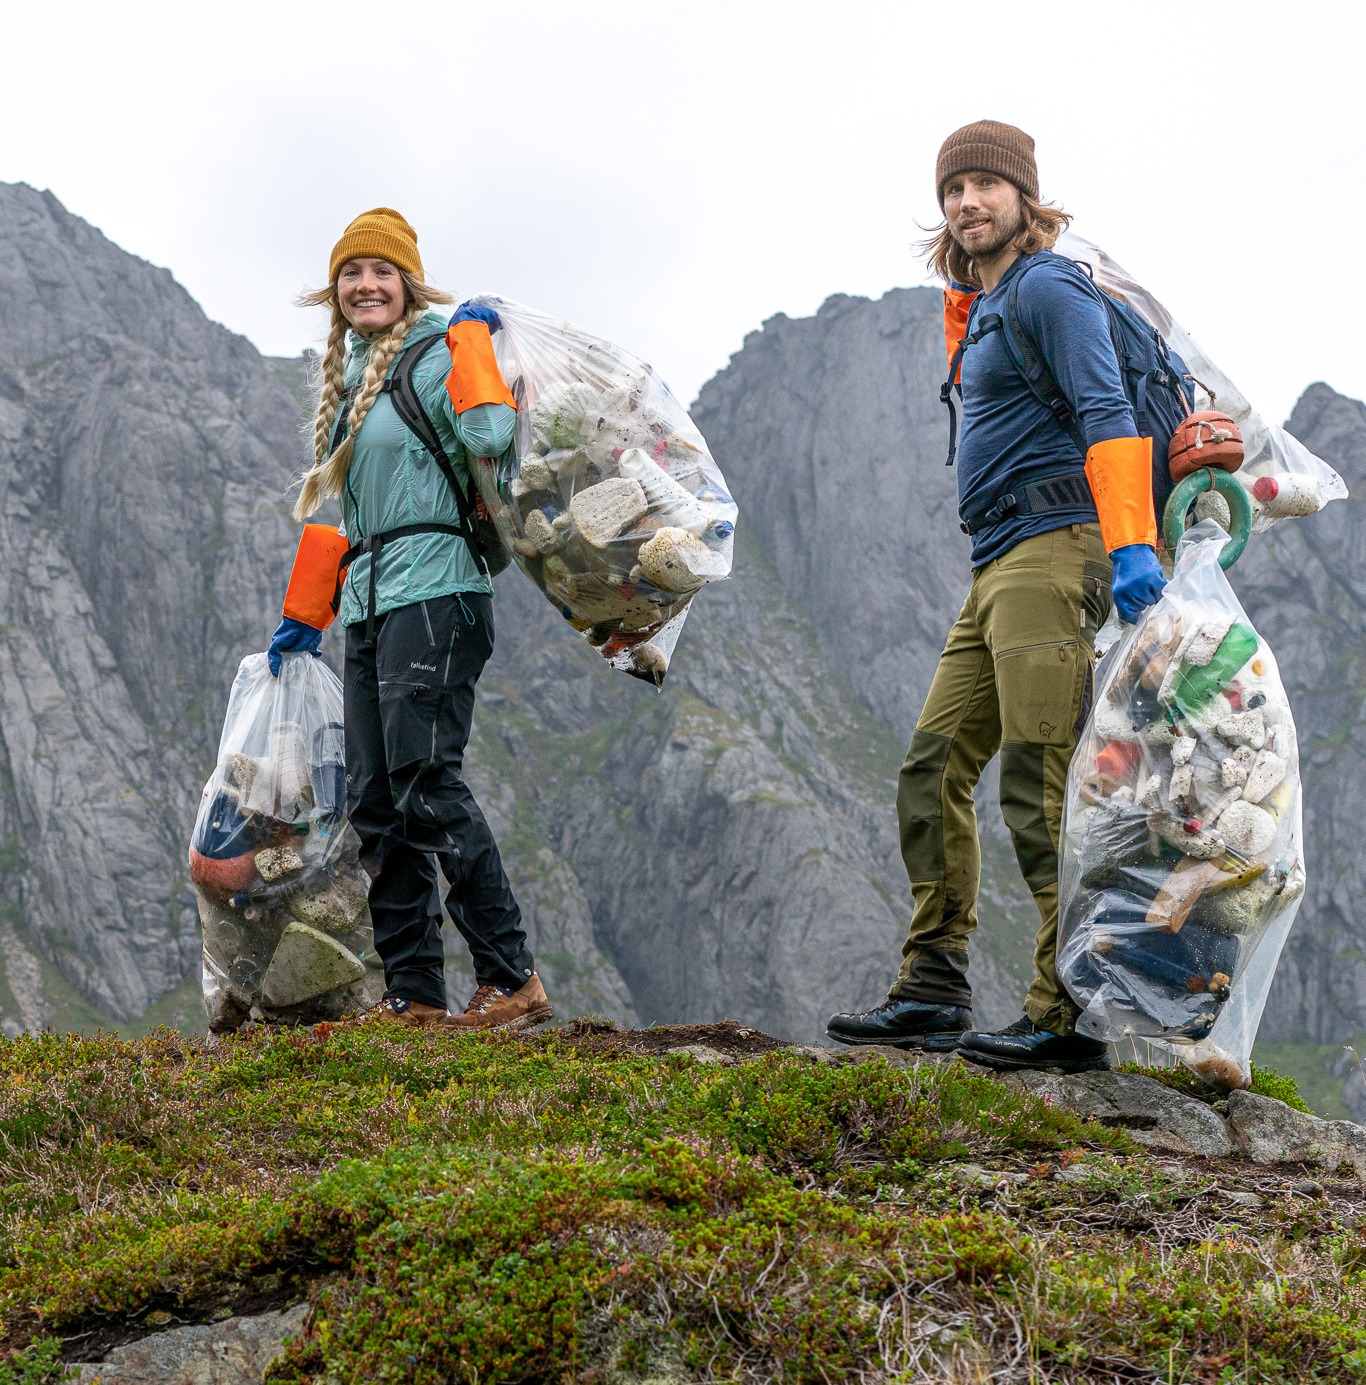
[(341, 420), (1029, 359), (991, 322), (407, 404)]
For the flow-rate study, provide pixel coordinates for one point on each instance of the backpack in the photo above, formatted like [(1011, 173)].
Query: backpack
[(479, 532), (1152, 373)]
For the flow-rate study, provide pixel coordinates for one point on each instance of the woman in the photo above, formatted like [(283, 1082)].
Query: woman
[(417, 605)]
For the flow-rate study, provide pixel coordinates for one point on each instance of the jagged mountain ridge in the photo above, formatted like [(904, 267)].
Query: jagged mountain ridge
[(147, 539), (143, 453), (725, 847)]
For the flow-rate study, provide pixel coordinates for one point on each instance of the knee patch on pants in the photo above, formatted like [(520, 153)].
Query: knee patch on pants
[(919, 805), (1022, 806)]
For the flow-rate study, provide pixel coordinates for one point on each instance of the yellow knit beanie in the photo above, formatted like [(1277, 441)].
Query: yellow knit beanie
[(379, 234)]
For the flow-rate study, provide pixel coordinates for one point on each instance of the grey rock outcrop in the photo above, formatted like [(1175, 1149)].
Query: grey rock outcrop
[(235, 1351), (1154, 1114), (1256, 1127), (1269, 1132), (143, 459)]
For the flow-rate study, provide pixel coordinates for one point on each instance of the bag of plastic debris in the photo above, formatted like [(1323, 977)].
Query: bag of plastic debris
[(1182, 863), (282, 895), (1283, 478), (609, 499)]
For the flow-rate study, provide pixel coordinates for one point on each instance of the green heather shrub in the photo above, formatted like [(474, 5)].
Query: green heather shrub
[(530, 1208), (1265, 1082), (37, 1364), (1268, 1082)]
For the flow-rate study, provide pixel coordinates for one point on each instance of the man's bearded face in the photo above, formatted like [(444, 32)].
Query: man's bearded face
[(984, 213)]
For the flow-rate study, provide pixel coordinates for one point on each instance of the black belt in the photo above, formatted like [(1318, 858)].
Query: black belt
[(373, 544), (1066, 492)]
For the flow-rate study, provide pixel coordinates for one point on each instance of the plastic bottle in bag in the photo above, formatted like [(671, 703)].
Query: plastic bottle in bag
[(281, 893), (1283, 477), (1182, 861)]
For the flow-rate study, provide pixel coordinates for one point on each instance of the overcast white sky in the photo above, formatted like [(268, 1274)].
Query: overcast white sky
[(669, 175)]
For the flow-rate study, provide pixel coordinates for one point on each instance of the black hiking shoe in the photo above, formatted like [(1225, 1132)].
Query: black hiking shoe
[(903, 1024), (1025, 1045)]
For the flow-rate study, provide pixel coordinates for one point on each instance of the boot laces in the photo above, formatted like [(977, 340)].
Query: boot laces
[(483, 1000)]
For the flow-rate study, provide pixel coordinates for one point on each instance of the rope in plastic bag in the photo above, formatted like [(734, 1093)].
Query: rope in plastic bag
[(609, 499), (281, 893), (1182, 861)]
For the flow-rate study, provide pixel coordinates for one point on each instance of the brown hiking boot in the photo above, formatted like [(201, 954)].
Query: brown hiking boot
[(413, 1013), (492, 1008)]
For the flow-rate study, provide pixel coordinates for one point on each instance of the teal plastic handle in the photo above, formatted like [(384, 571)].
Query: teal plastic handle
[(1186, 494)]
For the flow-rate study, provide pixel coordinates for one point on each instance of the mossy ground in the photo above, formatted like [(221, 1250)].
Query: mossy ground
[(565, 1207)]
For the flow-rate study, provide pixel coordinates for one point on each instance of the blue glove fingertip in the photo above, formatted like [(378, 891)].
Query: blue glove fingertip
[(477, 312)]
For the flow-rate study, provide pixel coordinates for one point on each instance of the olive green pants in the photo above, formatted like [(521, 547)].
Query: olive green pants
[(1015, 676)]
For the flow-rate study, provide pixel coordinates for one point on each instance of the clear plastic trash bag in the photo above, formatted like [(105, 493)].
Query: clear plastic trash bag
[(1282, 477), (1182, 861), (609, 499), (273, 860)]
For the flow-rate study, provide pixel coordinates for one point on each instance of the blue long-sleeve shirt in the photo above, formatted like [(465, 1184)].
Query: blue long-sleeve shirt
[(1009, 438)]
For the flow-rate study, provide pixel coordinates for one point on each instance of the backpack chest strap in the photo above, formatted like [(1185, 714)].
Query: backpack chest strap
[(373, 544)]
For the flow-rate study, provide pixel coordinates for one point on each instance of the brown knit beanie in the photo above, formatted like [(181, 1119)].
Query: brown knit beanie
[(379, 234), (988, 146)]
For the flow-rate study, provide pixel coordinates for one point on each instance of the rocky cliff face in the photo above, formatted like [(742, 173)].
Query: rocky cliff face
[(727, 846), (144, 453), (1304, 584)]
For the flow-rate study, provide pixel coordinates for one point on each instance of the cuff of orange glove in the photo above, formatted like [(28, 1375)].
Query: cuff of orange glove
[(1120, 471), (475, 378), (315, 582), (957, 305)]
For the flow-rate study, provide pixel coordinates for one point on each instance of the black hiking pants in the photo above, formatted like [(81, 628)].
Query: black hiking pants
[(409, 705)]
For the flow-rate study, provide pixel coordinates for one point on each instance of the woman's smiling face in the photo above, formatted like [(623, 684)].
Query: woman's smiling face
[(371, 295)]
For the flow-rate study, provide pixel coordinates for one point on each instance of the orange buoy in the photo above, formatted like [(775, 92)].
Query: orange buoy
[(225, 876), (1208, 438)]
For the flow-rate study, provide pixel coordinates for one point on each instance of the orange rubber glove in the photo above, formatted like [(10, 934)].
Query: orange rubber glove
[(1120, 471), (957, 304), (475, 378), (315, 580)]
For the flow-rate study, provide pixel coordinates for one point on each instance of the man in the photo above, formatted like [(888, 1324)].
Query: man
[(1016, 671)]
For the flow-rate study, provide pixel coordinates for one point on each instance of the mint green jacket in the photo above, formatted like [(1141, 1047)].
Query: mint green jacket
[(393, 481)]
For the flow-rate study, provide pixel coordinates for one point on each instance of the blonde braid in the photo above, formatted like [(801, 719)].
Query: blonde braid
[(331, 387), (328, 475)]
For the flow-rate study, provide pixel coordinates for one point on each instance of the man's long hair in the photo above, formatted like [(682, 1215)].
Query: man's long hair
[(1042, 227)]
